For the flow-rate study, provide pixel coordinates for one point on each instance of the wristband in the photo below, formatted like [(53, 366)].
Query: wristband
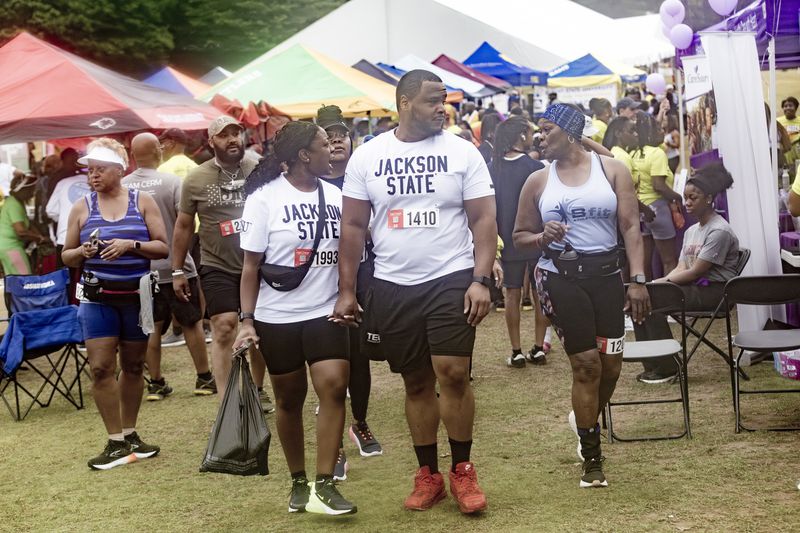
[(245, 316), (178, 272)]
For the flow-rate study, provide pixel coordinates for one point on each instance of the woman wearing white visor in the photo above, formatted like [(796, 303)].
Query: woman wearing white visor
[(113, 233)]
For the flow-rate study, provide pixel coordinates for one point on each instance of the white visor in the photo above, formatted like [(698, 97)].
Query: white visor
[(101, 153), (589, 129)]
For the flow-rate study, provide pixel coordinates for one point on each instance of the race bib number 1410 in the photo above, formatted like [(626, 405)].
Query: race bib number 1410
[(413, 218)]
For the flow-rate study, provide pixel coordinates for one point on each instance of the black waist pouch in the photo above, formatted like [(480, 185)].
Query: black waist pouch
[(284, 278), (110, 292), (587, 265)]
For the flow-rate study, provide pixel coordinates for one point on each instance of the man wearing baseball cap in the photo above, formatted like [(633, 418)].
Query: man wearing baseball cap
[(627, 107), (173, 144), (214, 191)]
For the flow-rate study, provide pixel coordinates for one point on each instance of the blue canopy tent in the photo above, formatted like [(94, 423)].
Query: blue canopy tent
[(491, 61), (376, 72), (588, 65), (398, 72)]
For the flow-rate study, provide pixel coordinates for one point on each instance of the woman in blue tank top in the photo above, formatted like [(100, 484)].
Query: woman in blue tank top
[(573, 211), (113, 234)]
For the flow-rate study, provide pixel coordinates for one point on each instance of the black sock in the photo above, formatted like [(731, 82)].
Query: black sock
[(428, 455), (260, 389), (459, 451), (590, 442), (296, 475), (161, 381), (206, 376), (516, 351), (323, 477)]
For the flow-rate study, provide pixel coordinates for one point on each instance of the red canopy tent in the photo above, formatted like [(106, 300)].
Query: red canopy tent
[(47, 93), (456, 67)]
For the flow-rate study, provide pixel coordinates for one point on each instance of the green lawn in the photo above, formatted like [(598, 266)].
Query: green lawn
[(524, 452)]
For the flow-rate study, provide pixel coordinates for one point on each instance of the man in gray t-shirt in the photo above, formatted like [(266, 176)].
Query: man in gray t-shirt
[(166, 190), (714, 242)]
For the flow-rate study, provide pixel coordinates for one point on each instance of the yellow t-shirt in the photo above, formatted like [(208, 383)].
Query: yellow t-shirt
[(792, 127), (621, 155), (796, 185), (601, 130), (649, 162), (180, 165)]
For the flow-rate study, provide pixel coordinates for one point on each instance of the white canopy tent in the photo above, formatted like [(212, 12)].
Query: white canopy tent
[(539, 34), (469, 87)]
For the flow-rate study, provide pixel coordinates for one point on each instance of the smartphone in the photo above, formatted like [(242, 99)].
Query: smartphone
[(94, 237)]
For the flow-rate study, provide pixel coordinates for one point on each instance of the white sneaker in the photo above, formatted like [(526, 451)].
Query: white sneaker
[(574, 425)]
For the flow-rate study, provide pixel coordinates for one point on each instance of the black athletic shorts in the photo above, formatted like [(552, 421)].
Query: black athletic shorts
[(165, 303), (221, 290), (288, 347), (581, 310), (513, 273), (414, 322)]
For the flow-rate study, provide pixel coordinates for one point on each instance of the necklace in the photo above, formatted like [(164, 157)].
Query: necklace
[(235, 183)]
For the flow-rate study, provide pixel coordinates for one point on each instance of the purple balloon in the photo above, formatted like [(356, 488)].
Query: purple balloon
[(656, 84), (672, 12), (723, 7), (665, 30), (681, 36)]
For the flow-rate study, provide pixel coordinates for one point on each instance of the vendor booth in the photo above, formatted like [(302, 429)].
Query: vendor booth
[(177, 82), (586, 77)]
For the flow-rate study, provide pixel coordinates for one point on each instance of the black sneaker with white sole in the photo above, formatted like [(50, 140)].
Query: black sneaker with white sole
[(592, 475), (651, 377), (536, 356), (116, 453), (326, 499), (298, 497), (515, 360), (361, 435), (341, 467), (141, 449)]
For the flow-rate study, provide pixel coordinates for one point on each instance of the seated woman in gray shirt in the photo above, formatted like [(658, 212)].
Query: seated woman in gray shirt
[(708, 260)]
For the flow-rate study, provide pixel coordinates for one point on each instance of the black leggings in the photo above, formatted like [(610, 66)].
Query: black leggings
[(360, 378)]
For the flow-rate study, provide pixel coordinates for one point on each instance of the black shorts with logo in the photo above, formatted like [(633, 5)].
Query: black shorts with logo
[(166, 303), (288, 347), (221, 290), (417, 321)]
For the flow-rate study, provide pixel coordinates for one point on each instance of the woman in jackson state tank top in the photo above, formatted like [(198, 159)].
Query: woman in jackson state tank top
[(113, 234), (573, 212)]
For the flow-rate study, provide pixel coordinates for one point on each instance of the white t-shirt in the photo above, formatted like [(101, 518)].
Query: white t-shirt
[(6, 175), (280, 221), (417, 191), (65, 194)]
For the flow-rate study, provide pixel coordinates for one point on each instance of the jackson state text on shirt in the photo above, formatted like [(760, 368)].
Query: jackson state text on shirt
[(306, 216), (411, 175)]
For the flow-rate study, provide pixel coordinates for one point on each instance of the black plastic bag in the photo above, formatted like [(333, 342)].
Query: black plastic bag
[(239, 442)]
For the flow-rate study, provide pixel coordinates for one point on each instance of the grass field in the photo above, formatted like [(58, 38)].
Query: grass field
[(524, 452)]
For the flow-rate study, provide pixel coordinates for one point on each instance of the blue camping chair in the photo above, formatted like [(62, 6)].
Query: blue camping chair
[(43, 332)]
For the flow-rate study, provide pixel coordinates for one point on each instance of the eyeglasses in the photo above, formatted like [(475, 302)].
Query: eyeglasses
[(337, 134)]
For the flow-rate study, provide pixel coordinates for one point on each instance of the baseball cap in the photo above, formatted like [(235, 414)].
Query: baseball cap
[(329, 116), (628, 103), (175, 134), (220, 123)]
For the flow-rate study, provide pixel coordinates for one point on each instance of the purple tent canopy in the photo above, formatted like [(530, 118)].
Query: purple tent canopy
[(765, 18)]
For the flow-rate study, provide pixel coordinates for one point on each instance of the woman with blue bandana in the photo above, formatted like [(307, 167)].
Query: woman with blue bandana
[(573, 211)]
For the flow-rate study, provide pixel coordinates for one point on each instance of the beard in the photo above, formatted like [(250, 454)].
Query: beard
[(225, 157)]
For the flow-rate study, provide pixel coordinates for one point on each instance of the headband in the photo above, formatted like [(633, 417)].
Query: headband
[(101, 153), (567, 118)]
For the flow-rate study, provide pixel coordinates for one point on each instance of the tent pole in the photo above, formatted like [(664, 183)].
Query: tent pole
[(681, 125), (773, 104)]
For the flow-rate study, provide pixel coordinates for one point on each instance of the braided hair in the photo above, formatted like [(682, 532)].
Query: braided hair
[(289, 140), (506, 136), (615, 127)]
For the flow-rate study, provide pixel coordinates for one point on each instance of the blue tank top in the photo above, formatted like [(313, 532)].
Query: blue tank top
[(590, 210), (129, 266)]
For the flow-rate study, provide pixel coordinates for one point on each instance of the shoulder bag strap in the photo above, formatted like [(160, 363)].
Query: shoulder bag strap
[(320, 226)]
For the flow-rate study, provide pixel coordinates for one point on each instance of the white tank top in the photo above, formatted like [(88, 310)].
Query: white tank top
[(590, 210)]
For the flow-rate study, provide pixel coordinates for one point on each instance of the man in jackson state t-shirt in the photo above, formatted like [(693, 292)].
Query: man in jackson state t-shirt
[(435, 235)]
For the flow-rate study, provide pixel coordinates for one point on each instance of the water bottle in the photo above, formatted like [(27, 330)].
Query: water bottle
[(785, 183)]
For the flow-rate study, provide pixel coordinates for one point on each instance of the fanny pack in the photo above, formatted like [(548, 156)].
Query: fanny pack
[(112, 292), (586, 265), (285, 278)]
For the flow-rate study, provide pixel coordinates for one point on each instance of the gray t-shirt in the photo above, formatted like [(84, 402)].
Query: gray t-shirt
[(714, 242), (166, 190)]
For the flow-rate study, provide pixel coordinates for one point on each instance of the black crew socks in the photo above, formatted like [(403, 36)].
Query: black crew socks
[(516, 351), (459, 451), (299, 474), (207, 376), (536, 348), (161, 381), (590, 442), (428, 455)]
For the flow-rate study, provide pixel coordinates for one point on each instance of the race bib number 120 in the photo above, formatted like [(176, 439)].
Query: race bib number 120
[(413, 218)]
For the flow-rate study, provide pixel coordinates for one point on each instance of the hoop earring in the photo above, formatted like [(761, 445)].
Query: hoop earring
[(571, 139)]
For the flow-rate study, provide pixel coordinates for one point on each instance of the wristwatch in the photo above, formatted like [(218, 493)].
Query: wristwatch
[(244, 316), (483, 280), (137, 245), (639, 279)]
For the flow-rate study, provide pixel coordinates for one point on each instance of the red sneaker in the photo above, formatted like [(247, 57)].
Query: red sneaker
[(464, 488), (428, 490)]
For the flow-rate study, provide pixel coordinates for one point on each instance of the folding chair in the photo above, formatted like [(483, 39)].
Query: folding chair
[(664, 298), (760, 290), (42, 332), (710, 316)]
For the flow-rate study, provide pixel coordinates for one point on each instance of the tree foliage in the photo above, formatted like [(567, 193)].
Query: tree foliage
[(138, 36)]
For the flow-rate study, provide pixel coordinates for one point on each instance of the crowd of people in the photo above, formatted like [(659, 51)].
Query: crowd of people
[(344, 244)]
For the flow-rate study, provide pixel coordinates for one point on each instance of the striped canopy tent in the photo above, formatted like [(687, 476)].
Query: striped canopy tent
[(299, 80), (177, 82)]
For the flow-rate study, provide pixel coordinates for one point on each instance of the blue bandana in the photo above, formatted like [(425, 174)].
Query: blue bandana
[(567, 118)]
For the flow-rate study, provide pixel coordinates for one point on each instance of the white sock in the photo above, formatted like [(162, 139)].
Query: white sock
[(128, 431), (119, 437), (548, 334)]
